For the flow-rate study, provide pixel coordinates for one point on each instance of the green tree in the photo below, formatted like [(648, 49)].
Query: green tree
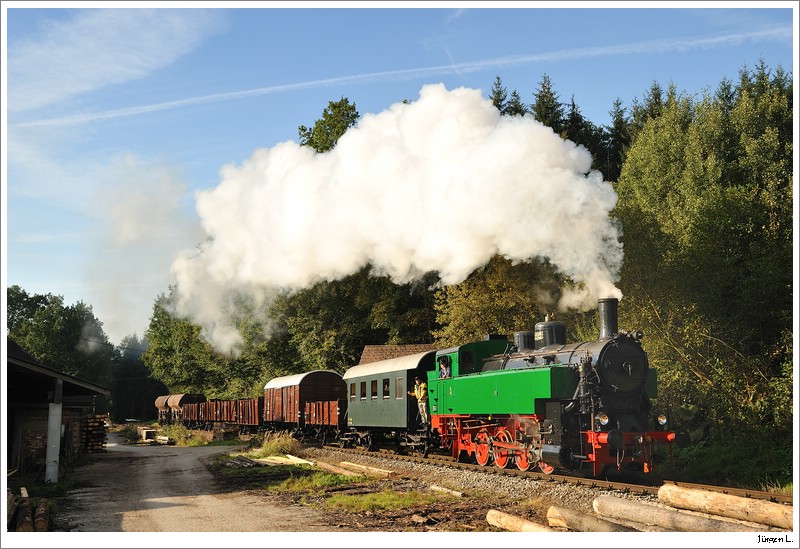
[(498, 95), (617, 139), (500, 298), (705, 201), (67, 338), (576, 128), (515, 106), (652, 106), (336, 119), (134, 391), (330, 322), (179, 357), (546, 108)]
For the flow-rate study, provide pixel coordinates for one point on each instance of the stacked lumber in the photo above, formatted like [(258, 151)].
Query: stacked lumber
[(93, 433)]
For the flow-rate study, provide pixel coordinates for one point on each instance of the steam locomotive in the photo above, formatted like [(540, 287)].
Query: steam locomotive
[(534, 403)]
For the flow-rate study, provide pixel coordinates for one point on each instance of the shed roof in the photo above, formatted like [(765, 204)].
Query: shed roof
[(31, 381)]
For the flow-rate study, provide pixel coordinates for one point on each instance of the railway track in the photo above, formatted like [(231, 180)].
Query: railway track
[(599, 484)]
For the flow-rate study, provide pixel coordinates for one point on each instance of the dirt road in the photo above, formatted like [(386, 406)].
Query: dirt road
[(168, 489)]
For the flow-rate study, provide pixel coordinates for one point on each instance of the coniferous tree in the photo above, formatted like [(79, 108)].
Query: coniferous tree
[(515, 106), (498, 95), (546, 108), (618, 139)]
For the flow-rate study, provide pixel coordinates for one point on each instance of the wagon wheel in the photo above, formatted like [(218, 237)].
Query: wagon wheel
[(482, 448), (522, 461), (502, 456), (546, 468)]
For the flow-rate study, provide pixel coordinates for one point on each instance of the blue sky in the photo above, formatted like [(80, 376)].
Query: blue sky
[(114, 119)]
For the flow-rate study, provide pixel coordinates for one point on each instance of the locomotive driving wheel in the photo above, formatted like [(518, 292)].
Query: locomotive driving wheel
[(482, 448), (522, 461), (546, 468), (502, 456)]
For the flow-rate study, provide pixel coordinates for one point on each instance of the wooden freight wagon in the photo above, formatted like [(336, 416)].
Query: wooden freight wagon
[(285, 397), (327, 413), (192, 417), (248, 412)]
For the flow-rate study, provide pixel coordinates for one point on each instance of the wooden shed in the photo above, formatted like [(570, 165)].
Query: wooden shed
[(48, 413)]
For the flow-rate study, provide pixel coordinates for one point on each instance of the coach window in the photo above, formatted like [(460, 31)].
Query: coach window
[(374, 389), (399, 387), (363, 390), (386, 388), (352, 391)]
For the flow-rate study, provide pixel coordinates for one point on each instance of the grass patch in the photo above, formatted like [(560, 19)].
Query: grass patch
[(129, 432), (380, 501), (277, 444), (257, 477), (182, 436), (755, 465), (314, 482)]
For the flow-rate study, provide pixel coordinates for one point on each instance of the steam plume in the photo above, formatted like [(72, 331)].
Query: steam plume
[(440, 184)]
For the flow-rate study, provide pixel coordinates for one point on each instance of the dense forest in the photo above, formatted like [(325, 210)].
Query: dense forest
[(705, 204)]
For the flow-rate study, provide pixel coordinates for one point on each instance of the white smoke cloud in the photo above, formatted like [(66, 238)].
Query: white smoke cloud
[(440, 184)]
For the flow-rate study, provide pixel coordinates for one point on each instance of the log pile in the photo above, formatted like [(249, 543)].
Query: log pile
[(679, 510), (93, 433), (739, 508), (20, 515)]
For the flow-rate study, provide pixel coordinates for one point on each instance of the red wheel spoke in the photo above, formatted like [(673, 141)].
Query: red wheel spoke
[(522, 461), (482, 448), (502, 456)]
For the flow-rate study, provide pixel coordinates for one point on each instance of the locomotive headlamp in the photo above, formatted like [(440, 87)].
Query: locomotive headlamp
[(602, 419), (662, 419)]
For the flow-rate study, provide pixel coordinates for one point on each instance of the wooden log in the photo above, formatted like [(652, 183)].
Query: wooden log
[(455, 493), (578, 521), (672, 519), (24, 516), (374, 471), (12, 501), (338, 470), (513, 523), (726, 505), (41, 519), (299, 460)]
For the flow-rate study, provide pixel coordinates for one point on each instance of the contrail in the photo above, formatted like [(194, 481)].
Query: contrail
[(654, 46)]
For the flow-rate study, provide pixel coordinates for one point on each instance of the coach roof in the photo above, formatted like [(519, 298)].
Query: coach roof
[(399, 364)]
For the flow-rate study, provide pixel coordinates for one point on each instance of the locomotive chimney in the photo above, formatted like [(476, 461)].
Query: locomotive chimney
[(607, 308)]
